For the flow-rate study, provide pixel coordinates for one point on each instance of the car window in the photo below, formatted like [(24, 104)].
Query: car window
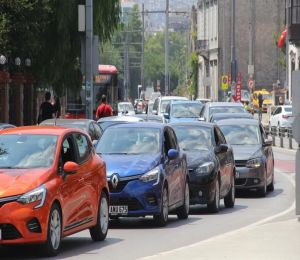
[(217, 139), (220, 136), (83, 146), (92, 131), (67, 151), (155, 105), (279, 110), (173, 139), (98, 132), (168, 142), (288, 109), (163, 105)]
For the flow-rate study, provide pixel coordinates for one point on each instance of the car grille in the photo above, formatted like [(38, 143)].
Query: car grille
[(240, 163), (132, 203), (34, 226), (240, 181), (121, 184), (6, 200), (9, 232)]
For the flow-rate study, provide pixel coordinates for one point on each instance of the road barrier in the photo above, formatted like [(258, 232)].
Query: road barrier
[(284, 134)]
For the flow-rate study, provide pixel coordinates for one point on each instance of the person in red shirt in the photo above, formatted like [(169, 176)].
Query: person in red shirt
[(104, 109)]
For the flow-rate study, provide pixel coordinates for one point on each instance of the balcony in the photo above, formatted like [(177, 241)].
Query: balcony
[(202, 48), (293, 20)]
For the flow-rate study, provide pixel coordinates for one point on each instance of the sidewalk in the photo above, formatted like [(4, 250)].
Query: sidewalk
[(276, 240)]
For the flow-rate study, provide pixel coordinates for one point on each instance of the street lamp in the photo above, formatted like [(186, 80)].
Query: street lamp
[(17, 61), (2, 59)]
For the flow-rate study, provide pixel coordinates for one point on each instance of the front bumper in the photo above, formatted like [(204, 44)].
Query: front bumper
[(202, 187), (249, 178), (22, 224), (141, 198)]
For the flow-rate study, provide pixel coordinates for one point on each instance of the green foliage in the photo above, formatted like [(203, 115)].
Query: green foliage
[(194, 65)]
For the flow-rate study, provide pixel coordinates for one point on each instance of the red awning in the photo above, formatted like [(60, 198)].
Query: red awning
[(107, 69)]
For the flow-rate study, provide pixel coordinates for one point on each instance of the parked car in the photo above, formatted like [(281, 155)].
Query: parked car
[(52, 185), (125, 108), (88, 125), (253, 154), (160, 104), (182, 111), (221, 116), (211, 108), (5, 126), (210, 163), (147, 173), (281, 117), (105, 122)]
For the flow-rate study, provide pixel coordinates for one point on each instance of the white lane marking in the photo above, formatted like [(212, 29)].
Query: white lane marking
[(289, 177)]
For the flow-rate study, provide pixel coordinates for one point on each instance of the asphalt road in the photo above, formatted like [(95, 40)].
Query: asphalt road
[(137, 238)]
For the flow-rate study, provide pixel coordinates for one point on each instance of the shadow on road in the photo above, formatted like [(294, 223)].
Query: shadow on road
[(202, 210), (148, 223), (71, 246), (254, 194)]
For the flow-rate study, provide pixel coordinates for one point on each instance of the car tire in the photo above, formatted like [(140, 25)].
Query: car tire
[(271, 185), (52, 245), (229, 199), (262, 192), (183, 211), (162, 218), (214, 206), (99, 231)]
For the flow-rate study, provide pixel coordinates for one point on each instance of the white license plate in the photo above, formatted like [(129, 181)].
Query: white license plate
[(237, 175), (118, 210)]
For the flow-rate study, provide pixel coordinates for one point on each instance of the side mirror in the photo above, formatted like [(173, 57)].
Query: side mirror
[(267, 143), (166, 116), (71, 167), (222, 148), (173, 154)]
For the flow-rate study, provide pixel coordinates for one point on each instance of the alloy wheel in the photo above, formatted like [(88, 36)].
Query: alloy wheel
[(55, 229), (104, 216)]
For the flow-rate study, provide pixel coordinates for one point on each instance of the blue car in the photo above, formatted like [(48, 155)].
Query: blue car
[(146, 171), (182, 111)]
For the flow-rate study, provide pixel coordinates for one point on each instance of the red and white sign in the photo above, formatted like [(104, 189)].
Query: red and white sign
[(238, 91), (250, 84)]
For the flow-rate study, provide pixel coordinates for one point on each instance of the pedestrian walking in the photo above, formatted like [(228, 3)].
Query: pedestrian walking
[(104, 109), (260, 104), (47, 110)]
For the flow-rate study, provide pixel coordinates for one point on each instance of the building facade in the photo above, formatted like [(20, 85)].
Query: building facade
[(255, 43)]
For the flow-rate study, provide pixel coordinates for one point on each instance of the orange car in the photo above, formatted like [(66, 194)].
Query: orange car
[(52, 185)]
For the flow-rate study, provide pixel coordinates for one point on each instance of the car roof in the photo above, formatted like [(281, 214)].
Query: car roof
[(140, 125), (173, 98), (238, 121), (224, 104), (66, 121), (185, 102), (36, 129), (120, 118), (194, 123)]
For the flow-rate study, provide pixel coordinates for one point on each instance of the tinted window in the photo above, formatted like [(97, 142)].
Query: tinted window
[(241, 134), (221, 136), (83, 147), (128, 140), (27, 151), (193, 137), (68, 151)]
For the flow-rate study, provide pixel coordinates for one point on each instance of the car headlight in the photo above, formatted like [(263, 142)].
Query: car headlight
[(151, 175), (253, 163), (36, 195), (205, 168)]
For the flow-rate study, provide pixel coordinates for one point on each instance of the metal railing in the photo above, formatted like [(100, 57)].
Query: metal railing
[(282, 134)]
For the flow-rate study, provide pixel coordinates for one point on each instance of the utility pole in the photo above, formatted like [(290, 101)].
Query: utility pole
[(250, 58), (126, 61), (224, 46), (233, 54), (167, 49), (89, 93), (143, 46)]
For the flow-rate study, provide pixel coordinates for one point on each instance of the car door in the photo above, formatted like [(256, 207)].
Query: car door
[(170, 168), (268, 153)]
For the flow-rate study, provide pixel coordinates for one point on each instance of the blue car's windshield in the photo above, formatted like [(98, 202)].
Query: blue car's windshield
[(129, 140), (27, 151), (186, 110), (193, 138), (241, 134)]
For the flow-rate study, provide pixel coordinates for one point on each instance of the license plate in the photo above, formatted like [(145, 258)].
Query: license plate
[(237, 175), (118, 210)]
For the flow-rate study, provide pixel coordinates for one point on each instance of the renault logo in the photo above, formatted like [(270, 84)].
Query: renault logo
[(114, 180)]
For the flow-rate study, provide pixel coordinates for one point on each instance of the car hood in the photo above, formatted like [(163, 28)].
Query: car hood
[(19, 181), (246, 152), (130, 165), (196, 158)]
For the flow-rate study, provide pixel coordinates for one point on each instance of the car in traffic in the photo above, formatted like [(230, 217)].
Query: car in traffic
[(253, 154), (6, 126), (210, 163), (146, 171), (267, 99), (221, 116), (281, 117), (52, 185), (125, 108), (211, 108), (160, 104), (105, 122), (88, 125), (150, 118), (179, 111)]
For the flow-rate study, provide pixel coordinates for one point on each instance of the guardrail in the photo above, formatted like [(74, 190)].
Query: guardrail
[(284, 134)]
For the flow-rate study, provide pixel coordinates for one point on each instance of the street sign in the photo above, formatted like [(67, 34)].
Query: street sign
[(250, 84), (250, 69), (224, 84), (238, 91)]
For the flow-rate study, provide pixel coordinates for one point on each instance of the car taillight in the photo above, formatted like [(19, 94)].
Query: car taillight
[(285, 116)]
